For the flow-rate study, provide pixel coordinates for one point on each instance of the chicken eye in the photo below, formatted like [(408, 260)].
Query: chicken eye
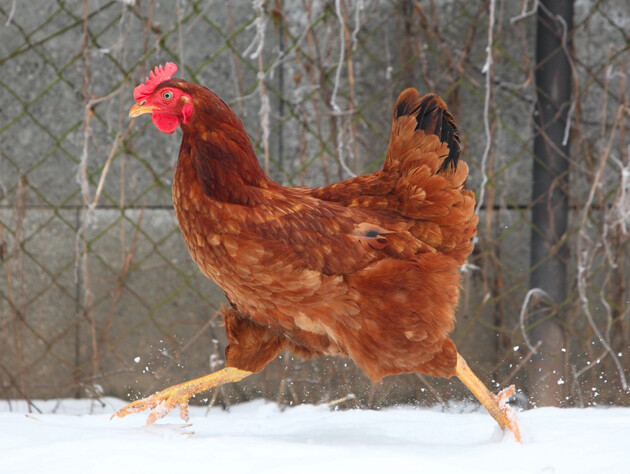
[(167, 95)]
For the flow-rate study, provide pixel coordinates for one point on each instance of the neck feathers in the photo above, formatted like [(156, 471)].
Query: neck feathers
[(219, 150)]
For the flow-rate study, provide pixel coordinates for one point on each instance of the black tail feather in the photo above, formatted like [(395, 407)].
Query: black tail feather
[(433, 117)]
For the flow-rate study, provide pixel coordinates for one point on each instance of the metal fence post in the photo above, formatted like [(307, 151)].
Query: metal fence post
[(549, 251)]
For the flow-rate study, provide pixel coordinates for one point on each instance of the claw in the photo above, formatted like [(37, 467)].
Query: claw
[(161, 404), (495, 404), (508, 412), (504, 395), (183, 412)]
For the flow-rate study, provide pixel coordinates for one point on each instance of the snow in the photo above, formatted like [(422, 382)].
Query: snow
[(72, 436)]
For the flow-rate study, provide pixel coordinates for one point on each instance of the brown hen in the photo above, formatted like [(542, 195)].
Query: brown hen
[(367, 268)]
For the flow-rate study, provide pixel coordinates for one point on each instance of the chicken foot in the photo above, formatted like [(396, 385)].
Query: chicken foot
[(495, 404), (163, 402)]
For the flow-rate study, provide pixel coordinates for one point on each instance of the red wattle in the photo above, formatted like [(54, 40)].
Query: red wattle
[(165, 123)]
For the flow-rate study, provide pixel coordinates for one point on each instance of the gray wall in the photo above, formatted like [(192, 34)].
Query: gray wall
[(87, 288)]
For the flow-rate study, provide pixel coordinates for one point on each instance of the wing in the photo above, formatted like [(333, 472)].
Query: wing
[(327, 237)]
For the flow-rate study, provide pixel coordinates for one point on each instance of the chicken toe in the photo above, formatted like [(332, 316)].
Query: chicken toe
[(163, 402), (495, 404)]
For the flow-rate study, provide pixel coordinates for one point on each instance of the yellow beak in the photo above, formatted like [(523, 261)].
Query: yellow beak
[(139, 109)]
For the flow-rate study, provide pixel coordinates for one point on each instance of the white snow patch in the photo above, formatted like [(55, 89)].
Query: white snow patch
[(77, 436)]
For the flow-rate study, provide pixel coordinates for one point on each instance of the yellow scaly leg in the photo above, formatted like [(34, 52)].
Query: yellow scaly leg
[(495, 404), (163, 402)]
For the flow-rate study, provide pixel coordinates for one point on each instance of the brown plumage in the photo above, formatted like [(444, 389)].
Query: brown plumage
[(367, 268)]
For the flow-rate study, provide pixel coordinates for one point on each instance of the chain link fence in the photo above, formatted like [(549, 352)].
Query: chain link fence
[(98, 295)]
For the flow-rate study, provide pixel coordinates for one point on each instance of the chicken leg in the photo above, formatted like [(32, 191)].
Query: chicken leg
[(495, 404), (163, 402)]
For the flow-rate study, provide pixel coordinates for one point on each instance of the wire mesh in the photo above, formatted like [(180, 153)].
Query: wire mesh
[(98, 294)]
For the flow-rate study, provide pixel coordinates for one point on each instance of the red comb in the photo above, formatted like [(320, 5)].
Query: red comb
[(157, 76)]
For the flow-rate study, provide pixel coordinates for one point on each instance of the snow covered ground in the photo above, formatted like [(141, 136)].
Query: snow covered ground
[(73, 436)]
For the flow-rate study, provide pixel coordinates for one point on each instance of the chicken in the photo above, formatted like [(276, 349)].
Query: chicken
[(367, 268)]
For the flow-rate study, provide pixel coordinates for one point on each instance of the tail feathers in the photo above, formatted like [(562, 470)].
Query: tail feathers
[(430, 179), (430, 114)]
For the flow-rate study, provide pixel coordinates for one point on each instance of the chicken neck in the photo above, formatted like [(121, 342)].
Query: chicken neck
[(218, 151)]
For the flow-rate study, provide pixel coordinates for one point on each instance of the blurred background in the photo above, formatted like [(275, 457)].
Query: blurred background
[(98, 295)]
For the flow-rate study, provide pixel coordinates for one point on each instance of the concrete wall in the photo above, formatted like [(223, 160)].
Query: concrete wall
[(107, 300)]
